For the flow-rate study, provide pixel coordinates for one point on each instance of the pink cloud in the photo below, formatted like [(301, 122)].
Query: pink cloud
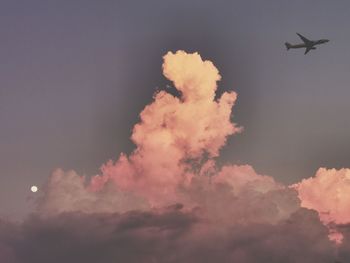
[(329, 194), (173, 131)]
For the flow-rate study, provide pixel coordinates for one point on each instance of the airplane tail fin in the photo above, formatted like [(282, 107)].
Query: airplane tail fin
[(288, 46)]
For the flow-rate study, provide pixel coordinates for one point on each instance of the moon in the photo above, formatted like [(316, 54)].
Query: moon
[(34, 189)]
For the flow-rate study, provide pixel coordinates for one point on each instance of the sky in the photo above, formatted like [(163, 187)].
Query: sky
[(75, 76)]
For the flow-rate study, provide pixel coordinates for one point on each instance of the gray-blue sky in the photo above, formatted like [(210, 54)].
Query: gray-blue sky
[(74, 76)]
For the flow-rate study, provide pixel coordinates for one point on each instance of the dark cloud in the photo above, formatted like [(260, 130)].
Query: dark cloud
[(77, 237), (166, 235)]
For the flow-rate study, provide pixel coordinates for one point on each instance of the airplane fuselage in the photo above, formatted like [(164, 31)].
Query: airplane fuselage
[(311, 45), (297, 46)]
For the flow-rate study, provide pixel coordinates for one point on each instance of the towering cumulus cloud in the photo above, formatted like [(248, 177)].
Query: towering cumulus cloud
[(168, 201), (175, 138), (175, 131)]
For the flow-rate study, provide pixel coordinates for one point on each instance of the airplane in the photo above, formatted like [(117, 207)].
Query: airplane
[(308, 44)]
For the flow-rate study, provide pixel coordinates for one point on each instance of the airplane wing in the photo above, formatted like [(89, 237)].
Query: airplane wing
[(304, 39), (308, 48)]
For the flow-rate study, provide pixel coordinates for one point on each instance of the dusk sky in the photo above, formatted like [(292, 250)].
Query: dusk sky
[(75, 76)]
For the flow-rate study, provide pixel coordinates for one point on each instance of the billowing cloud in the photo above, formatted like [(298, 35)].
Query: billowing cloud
[(174, 139), (168, 201), (175, 132), (329, 194), (69, 192)]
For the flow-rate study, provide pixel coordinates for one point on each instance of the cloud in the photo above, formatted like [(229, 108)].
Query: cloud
[(238, 195), (167, 235), (328, 193), (168, 201), (174, 137), (174, 131), (69, 192)]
